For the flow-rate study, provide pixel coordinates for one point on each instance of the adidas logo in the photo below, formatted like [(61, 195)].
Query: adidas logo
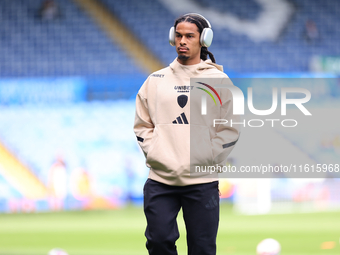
[(180, 120), (212, 203)]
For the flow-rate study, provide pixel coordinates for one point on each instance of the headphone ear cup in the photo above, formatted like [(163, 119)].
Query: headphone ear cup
[(172, 36), (206, 37)]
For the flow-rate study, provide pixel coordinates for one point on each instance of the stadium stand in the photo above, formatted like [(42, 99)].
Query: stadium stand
[(6, 190), (150, 20), (71, 45), (320, 142), (74, 45), (73, 131), (97, 135)]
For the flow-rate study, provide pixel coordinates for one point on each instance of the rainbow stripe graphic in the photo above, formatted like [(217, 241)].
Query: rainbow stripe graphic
[(213, 90)]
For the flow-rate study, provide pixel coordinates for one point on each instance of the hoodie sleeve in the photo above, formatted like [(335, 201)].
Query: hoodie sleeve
[(143, 126), (226, 135)]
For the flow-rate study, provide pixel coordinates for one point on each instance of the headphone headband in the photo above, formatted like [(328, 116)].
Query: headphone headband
[(198, 15)]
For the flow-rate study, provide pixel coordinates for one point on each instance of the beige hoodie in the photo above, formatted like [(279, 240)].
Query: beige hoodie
[(173, 141)]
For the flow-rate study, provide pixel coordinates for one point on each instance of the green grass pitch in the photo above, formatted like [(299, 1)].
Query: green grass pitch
[(121, 232)]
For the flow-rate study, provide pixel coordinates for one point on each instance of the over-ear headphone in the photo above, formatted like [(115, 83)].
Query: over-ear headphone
[(206, 35)]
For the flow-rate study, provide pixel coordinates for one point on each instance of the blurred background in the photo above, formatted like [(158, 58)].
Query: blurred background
[(69, 74)]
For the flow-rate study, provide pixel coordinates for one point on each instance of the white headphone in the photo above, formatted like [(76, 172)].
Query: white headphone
[(206, 35)]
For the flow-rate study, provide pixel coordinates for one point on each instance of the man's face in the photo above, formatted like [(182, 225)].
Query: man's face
[(187, 41)]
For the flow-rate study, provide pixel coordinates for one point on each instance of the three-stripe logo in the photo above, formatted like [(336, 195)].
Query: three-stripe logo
[(180, 120)]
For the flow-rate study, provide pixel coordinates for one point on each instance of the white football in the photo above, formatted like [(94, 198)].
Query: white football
[(57, 251), (268, 246)]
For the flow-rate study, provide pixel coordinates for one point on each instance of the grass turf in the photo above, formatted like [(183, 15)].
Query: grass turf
[(121, 232)]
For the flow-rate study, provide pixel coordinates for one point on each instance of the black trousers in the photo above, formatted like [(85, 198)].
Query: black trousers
[(200, 205)]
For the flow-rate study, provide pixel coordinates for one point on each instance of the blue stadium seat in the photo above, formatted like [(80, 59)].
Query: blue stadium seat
[(150, 21), (71, 45)]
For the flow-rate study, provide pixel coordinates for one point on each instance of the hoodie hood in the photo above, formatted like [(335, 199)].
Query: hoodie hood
[(197, 68)]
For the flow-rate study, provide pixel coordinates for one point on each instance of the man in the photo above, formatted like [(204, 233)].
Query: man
[(163, 133)]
